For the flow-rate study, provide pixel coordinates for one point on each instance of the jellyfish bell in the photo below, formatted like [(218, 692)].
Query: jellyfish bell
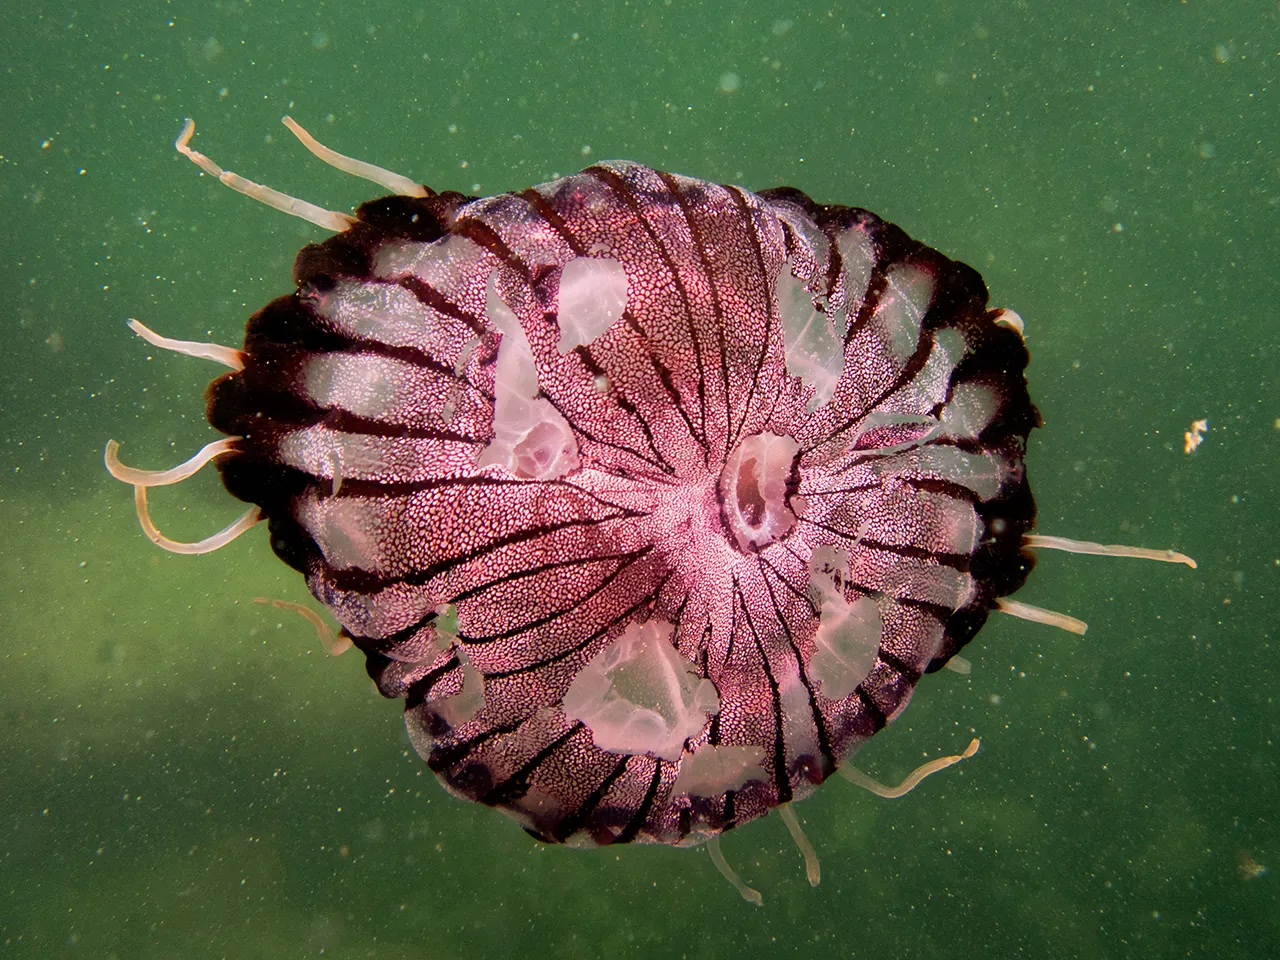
[(653, 498)]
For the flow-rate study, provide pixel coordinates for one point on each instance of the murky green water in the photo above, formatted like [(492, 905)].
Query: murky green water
[(186, 774)]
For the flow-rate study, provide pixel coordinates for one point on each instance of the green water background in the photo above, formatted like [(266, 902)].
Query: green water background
[(183, 773)]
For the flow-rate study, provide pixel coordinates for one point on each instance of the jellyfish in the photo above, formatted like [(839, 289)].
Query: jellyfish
[(653, 499)]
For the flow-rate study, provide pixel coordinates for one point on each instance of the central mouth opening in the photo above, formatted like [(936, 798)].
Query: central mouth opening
[(753, 490)]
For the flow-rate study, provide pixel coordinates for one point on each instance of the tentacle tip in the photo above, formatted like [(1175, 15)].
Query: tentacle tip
[(111, 459)]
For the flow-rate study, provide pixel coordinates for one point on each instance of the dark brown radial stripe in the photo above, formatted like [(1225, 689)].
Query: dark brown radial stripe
[(576, 425), (542, 621), (771, 318), (638, 818), (938, 611), (539, 569), (871, 709), (824, 738), (429, 296), (483, 235), (897, 663), (517, 785), (411, 356), (450, 755), (365, 581), (832, 491), (843, 534), (623, 190), (405, 634), (424, 684), (544, 208), (835, 224), (677, 401), (953, 561), (401, 488), (572, 823), (800, 592), (782, 782), (700, 248), (730, 812), (586, 642), (353, 423), (594, 369)]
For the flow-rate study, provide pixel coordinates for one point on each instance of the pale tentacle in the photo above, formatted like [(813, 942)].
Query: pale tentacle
[(726, 871), (207, 545), (812, 868), (227, 356), (1009, 318), (163, 478), (1025, 611), (860, 779), (393, 181), (1105, 550), (334, 642), (328, 219)]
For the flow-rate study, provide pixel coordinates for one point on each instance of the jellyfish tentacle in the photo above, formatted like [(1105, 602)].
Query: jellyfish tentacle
[(395, 182), (1005, 317), (717, 857), (858, 778), (812, 868), (334, 642), (1025, 611), (1105, 550), (328, 219), (209, 544), (164, 478), (227, 356)]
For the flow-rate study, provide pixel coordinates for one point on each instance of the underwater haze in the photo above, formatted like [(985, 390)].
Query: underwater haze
[(186, 773)]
